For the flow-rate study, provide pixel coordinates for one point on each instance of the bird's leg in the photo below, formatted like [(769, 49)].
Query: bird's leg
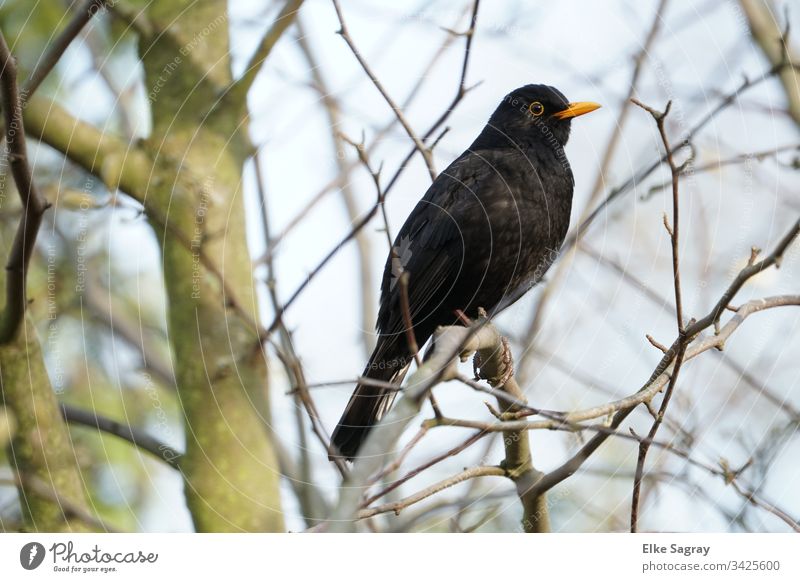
[(463, 317)]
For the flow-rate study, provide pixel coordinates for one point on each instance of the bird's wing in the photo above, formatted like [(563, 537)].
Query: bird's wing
[(430, 245)]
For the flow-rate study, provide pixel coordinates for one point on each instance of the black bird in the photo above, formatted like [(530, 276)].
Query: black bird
[(485, 232)]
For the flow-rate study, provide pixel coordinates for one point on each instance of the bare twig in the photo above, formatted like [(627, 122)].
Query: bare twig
[(661, 302), (568, 468), (462, 89), (725, 101), (674, 232), (57, 46), (311, 501), (395, 464), (340, 181), (468, 442), (570, 420), (464, 475), (728, 476), (723, 162), (286, 353), (424, 151), (33, 203), (363, 246), (407, 322), (753, 499)]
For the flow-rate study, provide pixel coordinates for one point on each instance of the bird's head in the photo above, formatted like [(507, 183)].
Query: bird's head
[(534, 114)]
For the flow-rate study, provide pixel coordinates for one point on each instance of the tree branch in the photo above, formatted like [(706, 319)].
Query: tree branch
[(33, 203), (138, 438), (495, 367), (285, 18)]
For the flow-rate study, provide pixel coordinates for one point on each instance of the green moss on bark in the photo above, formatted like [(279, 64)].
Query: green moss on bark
[(40, 451), (200, 146)]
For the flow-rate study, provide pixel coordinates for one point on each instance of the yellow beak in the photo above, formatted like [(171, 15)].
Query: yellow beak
[(576, 109)]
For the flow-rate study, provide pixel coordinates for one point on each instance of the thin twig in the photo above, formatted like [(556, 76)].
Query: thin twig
[(286, 353), (341, 180), (395, 464), (464, 475), (294, 370), (674, 232), (418, 143), (726, 101), (407, 322), (472, 439), (723, 162), (570, 420), (57, 47), (728, 476), (348, 197)]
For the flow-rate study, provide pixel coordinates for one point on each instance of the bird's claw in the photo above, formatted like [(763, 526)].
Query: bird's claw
[(505, 369), (476, 366), (508, 364)]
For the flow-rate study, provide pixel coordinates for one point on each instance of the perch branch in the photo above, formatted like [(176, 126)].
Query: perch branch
[(448, 343)]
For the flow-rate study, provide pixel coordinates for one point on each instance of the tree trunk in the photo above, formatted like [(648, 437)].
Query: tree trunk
[(200, 145), (40, 452)]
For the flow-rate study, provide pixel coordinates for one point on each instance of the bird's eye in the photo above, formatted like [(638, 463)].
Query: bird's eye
[(536, 109)]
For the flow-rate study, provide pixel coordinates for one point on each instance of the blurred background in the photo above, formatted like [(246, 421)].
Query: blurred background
[(578, 340)]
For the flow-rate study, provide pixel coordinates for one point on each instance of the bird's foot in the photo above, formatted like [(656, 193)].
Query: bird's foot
[(476, 366), (502, 373), (508, 364)]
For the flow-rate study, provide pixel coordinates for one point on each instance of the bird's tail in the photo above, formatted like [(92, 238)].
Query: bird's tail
[(369, 403)]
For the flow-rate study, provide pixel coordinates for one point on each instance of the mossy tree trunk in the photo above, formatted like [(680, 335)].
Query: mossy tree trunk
[(199, 143), (40, 453)]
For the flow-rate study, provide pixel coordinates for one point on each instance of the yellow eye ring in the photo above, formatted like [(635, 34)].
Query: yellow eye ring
[(536, 109)]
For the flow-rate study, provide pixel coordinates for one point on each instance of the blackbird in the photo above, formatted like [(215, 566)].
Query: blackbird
[(485, 232)]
